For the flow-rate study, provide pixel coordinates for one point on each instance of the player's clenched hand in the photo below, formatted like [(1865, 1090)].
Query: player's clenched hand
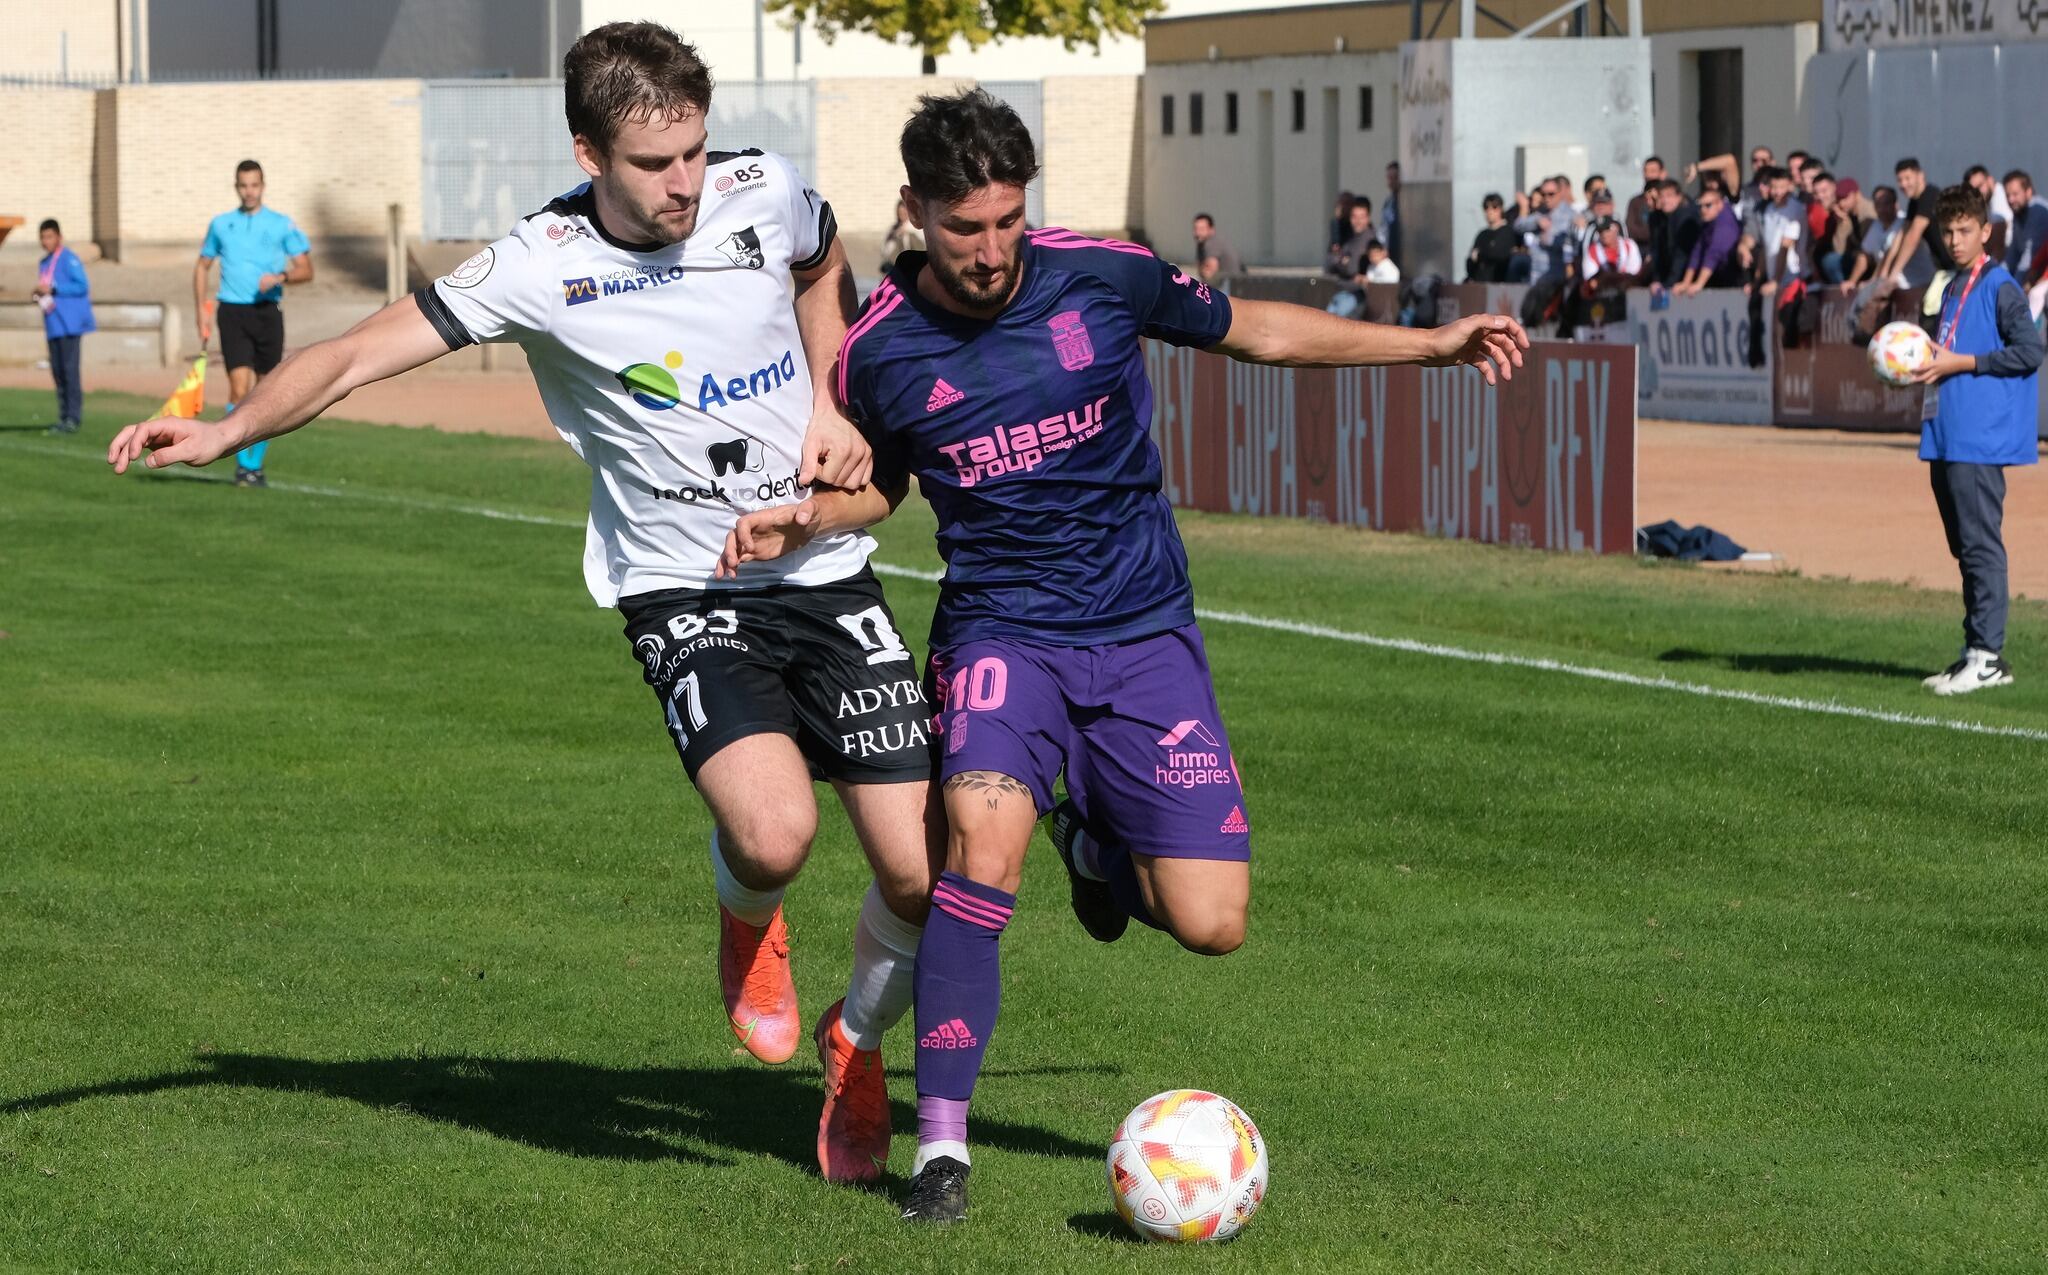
[(168, 440), (766, 534), (1484, 341), (835, 453)]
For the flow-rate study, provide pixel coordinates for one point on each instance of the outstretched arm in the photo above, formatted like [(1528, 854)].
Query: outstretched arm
[(395, 339), (1298, 336)]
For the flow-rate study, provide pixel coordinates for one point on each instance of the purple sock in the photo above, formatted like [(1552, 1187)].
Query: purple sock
[(959, 991)]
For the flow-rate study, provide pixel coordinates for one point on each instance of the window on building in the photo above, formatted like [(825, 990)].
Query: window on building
[(1364, 107), (1300, 110), (1230, 112), (1195, 114), (1166, 115)]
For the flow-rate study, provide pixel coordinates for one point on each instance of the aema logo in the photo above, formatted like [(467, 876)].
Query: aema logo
[(654, 385)]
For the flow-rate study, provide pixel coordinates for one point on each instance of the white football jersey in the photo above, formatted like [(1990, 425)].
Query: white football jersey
[(677, 372)]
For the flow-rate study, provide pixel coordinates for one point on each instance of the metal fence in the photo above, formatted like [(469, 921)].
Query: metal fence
[(493, 151), (1027, 98)]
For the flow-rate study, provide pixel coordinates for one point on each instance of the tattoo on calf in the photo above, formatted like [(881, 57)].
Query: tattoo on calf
[(991, 783)]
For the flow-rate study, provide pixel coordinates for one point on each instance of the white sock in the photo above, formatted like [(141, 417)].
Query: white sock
[(884, 958), (930, 1151), (755, 907)]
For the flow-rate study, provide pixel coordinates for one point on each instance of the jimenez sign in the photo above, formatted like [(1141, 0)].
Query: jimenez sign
[(1547, 460), (1877, 24)]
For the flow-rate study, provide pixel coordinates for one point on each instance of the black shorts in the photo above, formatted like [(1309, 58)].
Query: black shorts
[(822, 664), (251, 335)]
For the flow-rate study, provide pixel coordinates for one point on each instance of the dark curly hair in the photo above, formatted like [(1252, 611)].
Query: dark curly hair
[(955, 145), (1958, 203)]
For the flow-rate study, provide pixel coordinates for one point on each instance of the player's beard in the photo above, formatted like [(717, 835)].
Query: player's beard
[(991, 293), (665, 224), (670, 224)]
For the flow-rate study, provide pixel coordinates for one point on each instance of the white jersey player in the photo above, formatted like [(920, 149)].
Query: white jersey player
[(681, 313)]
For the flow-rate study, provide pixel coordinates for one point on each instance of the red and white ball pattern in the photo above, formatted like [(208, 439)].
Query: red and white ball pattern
[(1187, 1165), (1899, 351)]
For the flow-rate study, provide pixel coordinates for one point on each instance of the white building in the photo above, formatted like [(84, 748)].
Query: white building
[(1315, 106)]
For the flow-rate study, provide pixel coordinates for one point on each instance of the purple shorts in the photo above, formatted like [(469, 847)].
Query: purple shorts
[(1133, 724)]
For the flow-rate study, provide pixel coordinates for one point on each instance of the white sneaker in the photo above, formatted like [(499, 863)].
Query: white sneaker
[(1977, 670)]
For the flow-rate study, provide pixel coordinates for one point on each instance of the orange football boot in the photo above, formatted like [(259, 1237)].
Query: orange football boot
[(853, 1133), (760, 997)]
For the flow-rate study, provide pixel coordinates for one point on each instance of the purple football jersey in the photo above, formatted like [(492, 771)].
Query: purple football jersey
[(1030, 437)]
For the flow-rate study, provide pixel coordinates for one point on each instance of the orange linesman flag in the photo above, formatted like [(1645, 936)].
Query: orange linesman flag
[(190, 396)]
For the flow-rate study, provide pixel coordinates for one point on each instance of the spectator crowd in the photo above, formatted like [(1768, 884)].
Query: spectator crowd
[(1786, 237)]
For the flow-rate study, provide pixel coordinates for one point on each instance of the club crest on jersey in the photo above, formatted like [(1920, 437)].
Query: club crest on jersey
[(743, 248), (1070, 340)]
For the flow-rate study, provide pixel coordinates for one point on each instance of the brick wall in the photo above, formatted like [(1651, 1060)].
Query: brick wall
[(334, 154), (858, 123), (1094, 167), (46, 161), (1094, 177), (147, 165)]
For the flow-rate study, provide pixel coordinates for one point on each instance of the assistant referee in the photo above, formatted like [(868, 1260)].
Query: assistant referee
[(259, 250)]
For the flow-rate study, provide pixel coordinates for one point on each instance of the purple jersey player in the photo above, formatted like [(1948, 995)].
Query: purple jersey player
[(1005, 369)]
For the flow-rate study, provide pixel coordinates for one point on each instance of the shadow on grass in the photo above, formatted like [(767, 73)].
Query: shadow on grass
[(1791, 664), (690, 1114), (1103, 1226)]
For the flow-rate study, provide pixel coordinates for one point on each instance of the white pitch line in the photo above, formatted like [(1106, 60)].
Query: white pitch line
[(1440, 651), (1409, 646)]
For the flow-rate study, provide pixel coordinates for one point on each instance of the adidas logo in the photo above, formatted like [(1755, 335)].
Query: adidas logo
[(943, 395), (1236, 823), (953, 1035)]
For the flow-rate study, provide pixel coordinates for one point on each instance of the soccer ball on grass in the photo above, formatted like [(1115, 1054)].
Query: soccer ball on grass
[(1187, 1165)]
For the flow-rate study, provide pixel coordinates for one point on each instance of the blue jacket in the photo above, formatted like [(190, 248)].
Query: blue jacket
[(1987, 417), (72, 315)]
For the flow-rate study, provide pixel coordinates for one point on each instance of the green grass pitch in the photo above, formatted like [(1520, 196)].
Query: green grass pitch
[(354, 913)]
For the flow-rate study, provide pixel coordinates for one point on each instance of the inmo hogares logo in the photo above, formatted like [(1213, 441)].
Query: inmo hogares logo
[(654, 385)]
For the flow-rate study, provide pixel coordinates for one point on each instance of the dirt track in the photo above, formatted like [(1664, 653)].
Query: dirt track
[(1828, 503)]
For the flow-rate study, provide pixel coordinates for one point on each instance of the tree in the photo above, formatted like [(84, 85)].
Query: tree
[(932, 25)]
